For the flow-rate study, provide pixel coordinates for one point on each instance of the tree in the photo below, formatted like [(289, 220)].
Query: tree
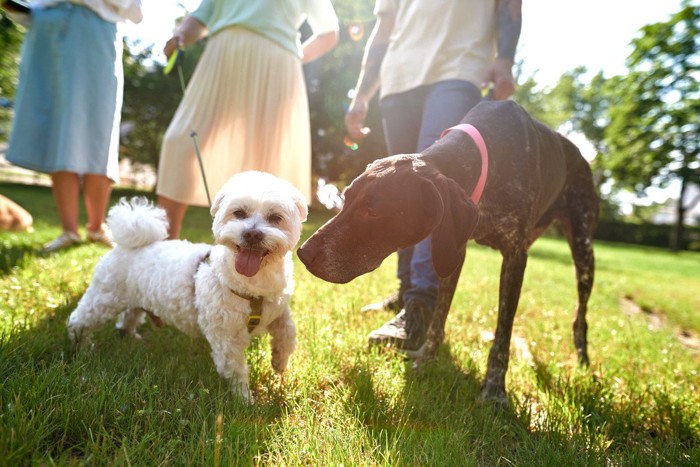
[(549, 105), (10, 43), (655, 122)]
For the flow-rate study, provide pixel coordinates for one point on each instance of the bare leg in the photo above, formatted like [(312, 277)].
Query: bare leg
[(66, 193), (96, 191), (176, 213)]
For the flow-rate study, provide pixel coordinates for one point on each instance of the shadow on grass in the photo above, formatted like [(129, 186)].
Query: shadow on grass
[(100, 403), (440, 419), (588, 422), (15, 254), (631, 416)]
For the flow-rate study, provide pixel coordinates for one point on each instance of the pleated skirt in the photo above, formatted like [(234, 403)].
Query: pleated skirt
[(69, 96), (248, 105)]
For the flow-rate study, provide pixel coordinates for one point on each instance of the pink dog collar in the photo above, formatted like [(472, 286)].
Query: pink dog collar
[(476, 136)]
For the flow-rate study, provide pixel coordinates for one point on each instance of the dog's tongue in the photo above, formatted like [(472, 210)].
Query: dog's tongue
[(248, 261)]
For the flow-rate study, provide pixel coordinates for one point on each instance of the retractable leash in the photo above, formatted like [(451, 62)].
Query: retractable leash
[(174, 61)]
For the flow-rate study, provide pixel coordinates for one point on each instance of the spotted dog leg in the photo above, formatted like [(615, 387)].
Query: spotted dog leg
[(580, 237), (436, 330), (512, 273)]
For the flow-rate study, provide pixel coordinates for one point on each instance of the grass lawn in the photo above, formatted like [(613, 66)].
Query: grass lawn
[(160, 401)]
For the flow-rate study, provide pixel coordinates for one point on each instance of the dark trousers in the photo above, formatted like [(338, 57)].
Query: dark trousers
[(413, 120)]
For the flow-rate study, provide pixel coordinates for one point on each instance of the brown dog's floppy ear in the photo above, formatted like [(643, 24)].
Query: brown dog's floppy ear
[(459, 218)]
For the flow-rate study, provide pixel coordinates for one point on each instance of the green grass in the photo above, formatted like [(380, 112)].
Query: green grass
[(159, 400)]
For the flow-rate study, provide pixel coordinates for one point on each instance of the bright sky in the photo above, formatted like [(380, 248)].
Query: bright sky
[(559, 35)]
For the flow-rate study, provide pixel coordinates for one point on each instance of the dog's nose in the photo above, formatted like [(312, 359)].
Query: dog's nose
[(306, 255), (253, 236)]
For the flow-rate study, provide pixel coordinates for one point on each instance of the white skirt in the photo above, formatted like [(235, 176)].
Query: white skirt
[(247, 103)]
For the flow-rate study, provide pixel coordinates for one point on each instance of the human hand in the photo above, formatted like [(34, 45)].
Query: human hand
[(175, 42), (355, 119), (500, 74)]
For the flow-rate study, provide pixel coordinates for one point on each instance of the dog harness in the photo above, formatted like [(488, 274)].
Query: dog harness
[(481, 145), (255, 304)]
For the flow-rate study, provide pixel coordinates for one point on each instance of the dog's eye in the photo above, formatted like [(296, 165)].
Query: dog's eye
[(274, 218), (240, 214)]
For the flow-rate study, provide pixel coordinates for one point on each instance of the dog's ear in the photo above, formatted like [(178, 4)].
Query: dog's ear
[(454, 227), (217, 203), (303, 209)]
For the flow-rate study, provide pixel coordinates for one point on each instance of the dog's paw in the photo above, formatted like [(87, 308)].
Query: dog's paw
[(79, 338), (83, 343), (243, 392), (125, 333), (494, 394), (427, 352), (279, 361)]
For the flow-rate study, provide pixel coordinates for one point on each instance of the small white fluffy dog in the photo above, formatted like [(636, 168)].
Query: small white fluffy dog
[(210, 290)]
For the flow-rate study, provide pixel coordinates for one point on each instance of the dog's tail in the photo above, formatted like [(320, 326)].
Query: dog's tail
[(137, 222)]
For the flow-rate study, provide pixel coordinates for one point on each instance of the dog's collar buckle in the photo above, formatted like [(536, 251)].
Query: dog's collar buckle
[(481, 145), (255, 309), (255, 313)]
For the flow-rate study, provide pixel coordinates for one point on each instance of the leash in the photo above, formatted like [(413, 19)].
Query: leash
[(175, 61), (481, 145)]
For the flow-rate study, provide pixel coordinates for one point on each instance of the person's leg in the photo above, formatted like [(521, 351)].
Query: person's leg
[(401, 119), (96, 191), (402, 115), (445, 104), (176, 213), (65, 187)]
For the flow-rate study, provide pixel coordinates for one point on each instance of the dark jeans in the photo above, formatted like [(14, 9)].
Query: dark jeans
[(413, 120)]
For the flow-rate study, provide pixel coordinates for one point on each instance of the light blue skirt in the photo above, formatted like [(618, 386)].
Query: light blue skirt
[(69, 97)]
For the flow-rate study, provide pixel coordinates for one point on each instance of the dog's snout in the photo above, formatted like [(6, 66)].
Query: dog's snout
[(253, 236), (306, 254)]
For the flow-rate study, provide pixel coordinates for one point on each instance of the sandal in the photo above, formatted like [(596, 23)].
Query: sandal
[(63, 241), (102, 236)]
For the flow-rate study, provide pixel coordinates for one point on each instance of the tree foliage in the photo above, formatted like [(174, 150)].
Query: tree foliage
[(655, 120), (653, 133), (10, 43), (150, 101), (330, 81)]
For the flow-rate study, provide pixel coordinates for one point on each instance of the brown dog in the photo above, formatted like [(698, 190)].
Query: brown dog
[(535, 176), (13, 216)]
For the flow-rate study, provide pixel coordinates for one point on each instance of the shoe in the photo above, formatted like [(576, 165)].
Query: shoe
[(65, 240), (103, 236), (393, 302), (405, 331)]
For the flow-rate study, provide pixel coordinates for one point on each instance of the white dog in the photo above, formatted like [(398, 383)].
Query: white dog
[(229, 292)]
